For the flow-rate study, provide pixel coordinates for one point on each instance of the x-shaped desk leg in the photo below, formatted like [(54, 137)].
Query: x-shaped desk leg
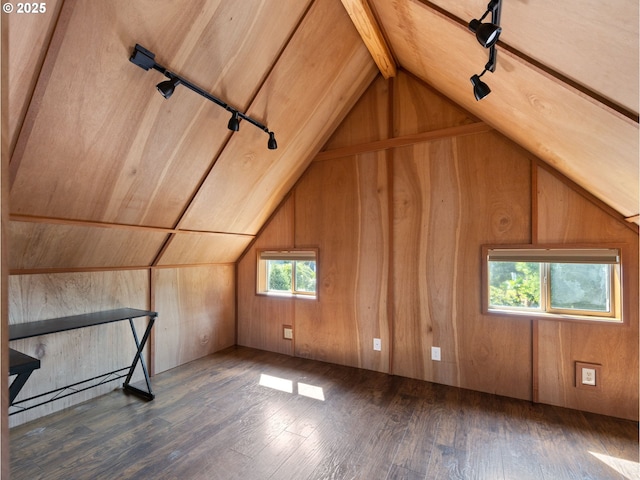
[(17, 384), (148, 394)]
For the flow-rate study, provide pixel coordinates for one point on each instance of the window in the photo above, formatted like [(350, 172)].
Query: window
[(290, 272), (565, 283)]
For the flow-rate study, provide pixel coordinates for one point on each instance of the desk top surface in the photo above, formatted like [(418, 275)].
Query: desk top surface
[(54, 325), (20, 363)]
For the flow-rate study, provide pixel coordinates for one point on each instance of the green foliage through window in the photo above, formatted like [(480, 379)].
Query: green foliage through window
[(279, 275), (291, 276), (572, 282), (514, 284)]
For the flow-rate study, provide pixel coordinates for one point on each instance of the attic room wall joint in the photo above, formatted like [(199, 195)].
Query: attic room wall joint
[(389, 159), (405, 140), (590, 197), (122, 226)]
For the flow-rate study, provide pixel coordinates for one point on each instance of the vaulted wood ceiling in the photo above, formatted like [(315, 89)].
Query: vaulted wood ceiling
[(105, 172)]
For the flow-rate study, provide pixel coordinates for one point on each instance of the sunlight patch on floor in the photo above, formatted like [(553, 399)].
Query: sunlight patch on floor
[(276, 383), (627, 468), (284, 385), (310, 391)]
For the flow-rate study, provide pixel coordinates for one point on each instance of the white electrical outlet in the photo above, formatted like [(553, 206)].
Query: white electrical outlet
[(377, 344), (589, 376), (435, 353), (287, 332)]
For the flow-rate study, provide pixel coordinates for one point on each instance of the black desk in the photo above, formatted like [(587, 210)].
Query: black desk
[(23, 366), (55, 325)]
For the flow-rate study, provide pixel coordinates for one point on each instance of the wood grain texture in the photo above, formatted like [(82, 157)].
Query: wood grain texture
[(449, 199), (68, 357), (367, 121), (42, 245), (138, 158), (194, 248), (260, 318), (547, 117), (350, 226), (248, 181), (368, 28), (418, 108), (29, 37), (196, 313), (212, 419), (567, 217), (569, 39)]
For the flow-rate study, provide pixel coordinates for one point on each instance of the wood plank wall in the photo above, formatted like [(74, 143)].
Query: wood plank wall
[(197, 313), (566, 216), (196, 317), (399, 232), (71, 357)]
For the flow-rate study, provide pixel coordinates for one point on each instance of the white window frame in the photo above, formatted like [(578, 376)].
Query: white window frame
[(545, 256), (293, 255)]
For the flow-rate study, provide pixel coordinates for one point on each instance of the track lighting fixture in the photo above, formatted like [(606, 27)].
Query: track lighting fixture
[(167, 87), (487, 35), (146, 60), (272, 144), (480, 89), (234, 122)]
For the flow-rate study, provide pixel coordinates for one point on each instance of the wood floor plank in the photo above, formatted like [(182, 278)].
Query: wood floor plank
[(217, 418)]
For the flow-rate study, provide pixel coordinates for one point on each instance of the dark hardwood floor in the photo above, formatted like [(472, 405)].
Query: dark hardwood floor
[(247, 414)]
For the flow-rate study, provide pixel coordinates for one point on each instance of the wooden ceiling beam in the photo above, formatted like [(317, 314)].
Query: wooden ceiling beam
[(368, 28)]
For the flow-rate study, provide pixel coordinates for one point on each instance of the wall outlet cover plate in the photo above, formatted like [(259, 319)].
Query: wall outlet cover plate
[(287, 332), (435, 354), (588, 376)]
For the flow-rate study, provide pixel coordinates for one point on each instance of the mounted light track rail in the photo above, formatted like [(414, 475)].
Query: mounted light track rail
[(146, 60), (487, 35)]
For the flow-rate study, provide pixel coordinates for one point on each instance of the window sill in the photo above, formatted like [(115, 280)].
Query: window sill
[(555, 316), (287, 295)]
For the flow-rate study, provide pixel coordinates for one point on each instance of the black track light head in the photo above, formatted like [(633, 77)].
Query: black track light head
[(272, 144), (486, 33), (234, 122), (480, 89), (167, 87)]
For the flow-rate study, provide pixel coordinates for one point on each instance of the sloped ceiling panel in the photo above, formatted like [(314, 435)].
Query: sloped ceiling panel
[(101, 143), (591, 42), (325, 68), (199, 248), (29, 37), (592, 144), (98, 149), (53, 246)]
